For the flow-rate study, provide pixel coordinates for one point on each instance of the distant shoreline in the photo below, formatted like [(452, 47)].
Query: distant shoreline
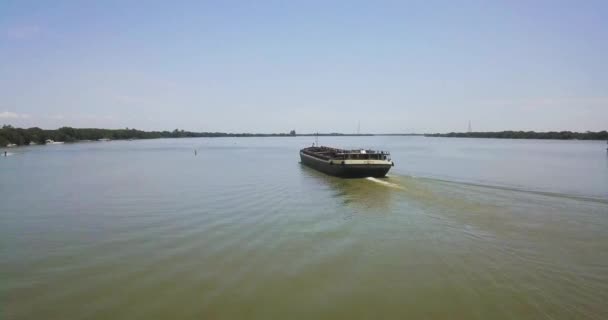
[(10, 136), (550, 135)]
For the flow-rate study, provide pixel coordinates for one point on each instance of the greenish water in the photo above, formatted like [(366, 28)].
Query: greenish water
[(461, 229)]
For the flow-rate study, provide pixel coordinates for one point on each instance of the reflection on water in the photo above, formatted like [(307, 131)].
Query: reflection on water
[(363, 193)]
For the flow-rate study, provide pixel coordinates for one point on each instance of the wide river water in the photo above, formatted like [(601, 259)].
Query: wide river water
[(460, 229)]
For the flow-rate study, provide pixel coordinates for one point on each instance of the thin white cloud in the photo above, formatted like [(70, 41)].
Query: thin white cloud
[(23, 32), (133, 100), (80, 117), (93, 117), (13, 115), (588, 101)]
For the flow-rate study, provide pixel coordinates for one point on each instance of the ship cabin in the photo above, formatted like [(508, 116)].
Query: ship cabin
[(341, 154)]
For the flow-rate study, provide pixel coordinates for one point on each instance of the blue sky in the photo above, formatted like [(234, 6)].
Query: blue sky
[(273, 66)]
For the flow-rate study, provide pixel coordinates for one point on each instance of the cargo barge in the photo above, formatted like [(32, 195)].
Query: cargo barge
[(358, 163)]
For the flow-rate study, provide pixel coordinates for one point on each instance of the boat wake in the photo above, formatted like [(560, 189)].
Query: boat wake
[(386, 183), (411, 183)]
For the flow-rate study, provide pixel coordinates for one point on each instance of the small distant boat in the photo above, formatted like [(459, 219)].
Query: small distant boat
[(357, 163), (11, 145), (51, 141), (104, 139)]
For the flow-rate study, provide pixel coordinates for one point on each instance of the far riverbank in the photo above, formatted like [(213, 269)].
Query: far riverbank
[(551, 135), (12, 137)]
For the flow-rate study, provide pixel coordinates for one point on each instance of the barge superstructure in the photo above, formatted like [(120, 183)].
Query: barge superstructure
[(357, 163)]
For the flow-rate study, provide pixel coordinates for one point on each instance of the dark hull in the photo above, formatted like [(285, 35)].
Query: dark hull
[(346, 171)]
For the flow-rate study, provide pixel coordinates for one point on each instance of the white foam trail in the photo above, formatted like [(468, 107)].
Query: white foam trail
[(388, 184)]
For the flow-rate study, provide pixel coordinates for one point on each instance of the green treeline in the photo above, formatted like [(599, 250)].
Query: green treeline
[(19, 136), (561, 135)]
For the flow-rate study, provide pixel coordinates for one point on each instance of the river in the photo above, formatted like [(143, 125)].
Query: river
[(460, 229)]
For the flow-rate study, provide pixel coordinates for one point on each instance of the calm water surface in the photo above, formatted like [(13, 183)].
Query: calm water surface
[(461, 229)]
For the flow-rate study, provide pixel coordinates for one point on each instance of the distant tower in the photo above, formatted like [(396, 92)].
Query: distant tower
[(470, 130), (359, 127)]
